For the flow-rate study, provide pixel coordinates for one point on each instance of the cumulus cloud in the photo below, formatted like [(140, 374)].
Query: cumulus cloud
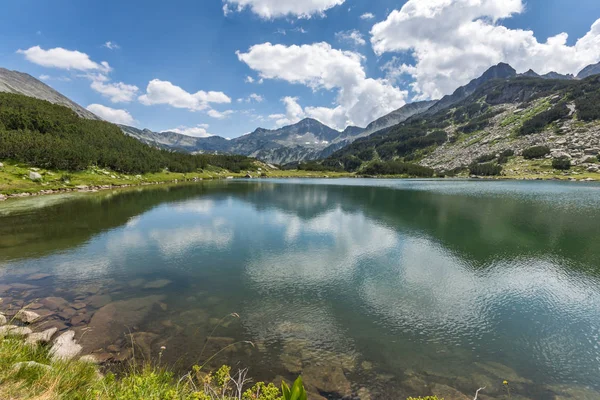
[(454, 41), (164, 92), (219, 114), (63, 59), (199, 130), (249, 79), (353, 36), (111, 45), (359, 100), (293, 112), (114, 115), (367, 16), (281, 8), (117, 92)]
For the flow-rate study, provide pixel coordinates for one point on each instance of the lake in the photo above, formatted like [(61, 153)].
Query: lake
[(385, 288)]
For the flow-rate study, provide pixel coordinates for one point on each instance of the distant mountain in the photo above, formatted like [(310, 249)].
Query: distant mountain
[(500, 71), (177, 141), (25, 84), (590, 70), (530, 74), (556, 75)]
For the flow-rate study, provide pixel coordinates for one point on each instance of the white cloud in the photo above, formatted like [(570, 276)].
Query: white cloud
[(359, 100), (164, 92), (454, 41), (367, 16), (196, 131), (111, 114), (111, 45), (281, 8), (253, 97), (117, 92), (353, 36), (45, 77), (63, 59), (249, 79), (293, 112), (219, 114)]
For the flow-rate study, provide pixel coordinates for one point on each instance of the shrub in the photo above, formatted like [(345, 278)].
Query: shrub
[(489, 169), (485, 158), (536, 152), (538, 122), (562, 163), (508, 153), (398, 168)]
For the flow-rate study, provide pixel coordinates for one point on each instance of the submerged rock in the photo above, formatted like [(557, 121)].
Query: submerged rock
[(448, 393), (115, 319), (65, 347), (157, 284), (327, 379), (38, 277)]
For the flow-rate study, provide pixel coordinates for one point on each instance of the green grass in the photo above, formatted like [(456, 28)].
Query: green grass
[(14, 177)]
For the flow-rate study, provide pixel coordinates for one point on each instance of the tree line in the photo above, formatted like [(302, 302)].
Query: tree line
[(52, 136)]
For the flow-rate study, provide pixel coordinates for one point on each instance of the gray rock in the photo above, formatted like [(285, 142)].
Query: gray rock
[(35, 176), (41, 337), (157, 284), (1, 165), (14, 330), (65, 347), (3, 320), (27, 316), (30, 364)]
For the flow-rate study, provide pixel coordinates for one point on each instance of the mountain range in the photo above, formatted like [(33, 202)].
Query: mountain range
[(305, 140)]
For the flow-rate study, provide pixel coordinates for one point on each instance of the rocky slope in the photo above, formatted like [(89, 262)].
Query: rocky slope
[(499, 111), (25, 84)]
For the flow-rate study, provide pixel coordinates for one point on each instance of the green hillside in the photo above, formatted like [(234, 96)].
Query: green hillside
[(501, 116), (51, 136)]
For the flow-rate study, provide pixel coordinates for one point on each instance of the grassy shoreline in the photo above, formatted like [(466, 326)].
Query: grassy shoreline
[(15, 181)]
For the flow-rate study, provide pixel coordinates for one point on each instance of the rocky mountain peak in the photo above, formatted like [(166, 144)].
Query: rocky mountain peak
[(590, 70)]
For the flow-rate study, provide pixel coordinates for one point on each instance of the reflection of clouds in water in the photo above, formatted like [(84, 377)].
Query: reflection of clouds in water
[(82, 267), (176, 241), (201, 206), (347, 238), (431, 294)]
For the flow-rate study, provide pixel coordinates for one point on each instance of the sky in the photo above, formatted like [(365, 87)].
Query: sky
[(226, 67)]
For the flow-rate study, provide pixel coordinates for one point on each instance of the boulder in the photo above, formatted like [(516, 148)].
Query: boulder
[(41, 337), (14, 330), (116, 319), (99, 300), (65, 347), (30, 364), (35, 176), (3, 320), (1, 165), (54, 303), (27, 316)]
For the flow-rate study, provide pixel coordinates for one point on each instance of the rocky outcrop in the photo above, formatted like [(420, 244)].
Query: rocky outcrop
[(25, 84), (65, 347)]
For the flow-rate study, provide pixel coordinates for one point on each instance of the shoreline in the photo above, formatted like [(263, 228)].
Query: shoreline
[(97, 188)]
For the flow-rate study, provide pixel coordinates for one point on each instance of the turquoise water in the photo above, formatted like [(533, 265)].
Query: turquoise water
[(392, 287)]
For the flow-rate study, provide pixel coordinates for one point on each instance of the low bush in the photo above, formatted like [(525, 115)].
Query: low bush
[(562, 163), (398, 168), (485, 158), (536, 152), (538, 122), (489, 169)]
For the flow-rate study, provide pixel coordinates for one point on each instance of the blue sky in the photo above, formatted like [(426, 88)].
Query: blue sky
[(185, 64)]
